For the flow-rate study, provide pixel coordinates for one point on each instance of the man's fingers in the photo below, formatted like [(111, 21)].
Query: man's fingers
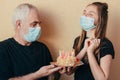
[(54, 69), (50, 66), (63, 70)]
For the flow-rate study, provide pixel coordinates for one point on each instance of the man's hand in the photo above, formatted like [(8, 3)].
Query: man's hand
[(47, 70), (62, 70)]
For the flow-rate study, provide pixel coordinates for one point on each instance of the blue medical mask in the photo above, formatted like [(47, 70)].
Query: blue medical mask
[(87, 23), (33, 34)]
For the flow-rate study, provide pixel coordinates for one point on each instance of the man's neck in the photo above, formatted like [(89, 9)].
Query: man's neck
[(20, 40)]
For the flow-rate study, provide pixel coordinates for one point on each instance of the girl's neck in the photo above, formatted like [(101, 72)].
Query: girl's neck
[(90, 33)]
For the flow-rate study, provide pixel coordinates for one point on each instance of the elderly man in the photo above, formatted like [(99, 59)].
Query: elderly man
[(22, 57)]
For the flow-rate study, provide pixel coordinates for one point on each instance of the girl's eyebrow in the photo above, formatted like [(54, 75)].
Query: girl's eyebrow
[(93, 12), (90, 11)]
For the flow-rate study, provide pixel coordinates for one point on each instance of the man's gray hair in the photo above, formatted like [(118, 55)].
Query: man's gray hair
[(21, 12)]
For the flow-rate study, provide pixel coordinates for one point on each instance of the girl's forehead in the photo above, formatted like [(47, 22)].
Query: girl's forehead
[(91, 8)]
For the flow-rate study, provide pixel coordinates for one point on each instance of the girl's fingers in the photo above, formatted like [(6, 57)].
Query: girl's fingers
[(96, 42), (69, 69)]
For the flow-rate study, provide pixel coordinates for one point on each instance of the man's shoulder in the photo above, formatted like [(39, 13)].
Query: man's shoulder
[(4, 46), (5, 42), (40, 44)]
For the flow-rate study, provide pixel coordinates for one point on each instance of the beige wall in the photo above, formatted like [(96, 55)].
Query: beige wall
[(60, 25)]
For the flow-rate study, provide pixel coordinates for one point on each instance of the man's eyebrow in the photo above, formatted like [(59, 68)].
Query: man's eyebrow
[(35, 22)]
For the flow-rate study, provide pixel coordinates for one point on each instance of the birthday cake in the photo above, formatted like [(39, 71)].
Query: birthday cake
[(67, 59)]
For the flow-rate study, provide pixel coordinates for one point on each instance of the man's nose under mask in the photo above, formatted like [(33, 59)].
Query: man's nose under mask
[(33, 34)]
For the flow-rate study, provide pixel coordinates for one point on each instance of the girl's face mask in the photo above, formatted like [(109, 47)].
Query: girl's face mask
[(87, 23)]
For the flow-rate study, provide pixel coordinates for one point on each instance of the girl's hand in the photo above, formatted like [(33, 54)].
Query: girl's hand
[(93, 44), (83, 52), (86, 44)]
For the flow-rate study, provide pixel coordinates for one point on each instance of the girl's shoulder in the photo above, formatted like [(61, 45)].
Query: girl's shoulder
[(105, 41), (107, 48)]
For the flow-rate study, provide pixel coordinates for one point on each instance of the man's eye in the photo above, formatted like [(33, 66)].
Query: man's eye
[(34, 24)]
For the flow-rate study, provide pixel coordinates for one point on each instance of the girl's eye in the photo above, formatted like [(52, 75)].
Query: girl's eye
[(91, 15), (83, 13)]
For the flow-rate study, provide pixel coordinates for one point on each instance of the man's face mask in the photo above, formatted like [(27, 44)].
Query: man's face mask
[(33, 34), (87, 23)]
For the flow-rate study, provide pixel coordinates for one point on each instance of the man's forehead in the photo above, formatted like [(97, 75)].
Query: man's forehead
[(33, 19)]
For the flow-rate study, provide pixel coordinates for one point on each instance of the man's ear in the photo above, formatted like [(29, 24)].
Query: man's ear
[(18, 24)]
